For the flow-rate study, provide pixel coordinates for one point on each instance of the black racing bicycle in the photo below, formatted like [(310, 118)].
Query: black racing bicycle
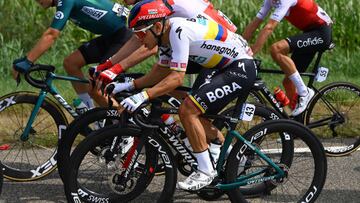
[(266, 160)]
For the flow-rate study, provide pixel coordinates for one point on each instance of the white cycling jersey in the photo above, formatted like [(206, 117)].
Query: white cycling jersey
[(303, 14), (194, 8), (204, 42)]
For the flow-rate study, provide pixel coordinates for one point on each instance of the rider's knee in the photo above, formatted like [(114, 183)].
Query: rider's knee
[(187, 108)]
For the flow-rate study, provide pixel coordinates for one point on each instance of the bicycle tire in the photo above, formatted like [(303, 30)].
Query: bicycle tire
[(155, 145), (15, 111), (345, 136), (256, 97), (75, 128), (289, 156)]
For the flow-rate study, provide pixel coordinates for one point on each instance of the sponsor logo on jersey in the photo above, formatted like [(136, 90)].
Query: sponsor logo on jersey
[(94, 13), (309, 42), (225, 90), (59, 15), (60, 3), (220, 49)]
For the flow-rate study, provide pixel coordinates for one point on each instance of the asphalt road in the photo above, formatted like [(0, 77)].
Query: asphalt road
[(342, 185)]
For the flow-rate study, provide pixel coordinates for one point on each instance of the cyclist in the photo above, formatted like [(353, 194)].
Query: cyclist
[(186, 9), (306, 16), (193, 43), (101, 17)]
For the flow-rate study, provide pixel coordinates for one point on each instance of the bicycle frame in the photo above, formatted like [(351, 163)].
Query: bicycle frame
[(249, 178), (50, 77), (174, 141)]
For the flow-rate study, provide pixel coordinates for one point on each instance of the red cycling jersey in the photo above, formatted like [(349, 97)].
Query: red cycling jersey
[(303, 14)]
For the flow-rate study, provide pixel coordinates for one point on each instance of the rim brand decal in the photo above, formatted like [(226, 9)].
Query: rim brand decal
[(7, 102)]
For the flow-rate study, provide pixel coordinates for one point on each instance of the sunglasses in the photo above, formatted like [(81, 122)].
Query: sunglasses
[(141, 33)]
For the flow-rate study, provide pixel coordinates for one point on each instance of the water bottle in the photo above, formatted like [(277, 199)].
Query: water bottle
[(281, 96), (172, 124), (80, 106)]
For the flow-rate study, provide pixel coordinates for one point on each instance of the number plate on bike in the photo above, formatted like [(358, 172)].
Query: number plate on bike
[(322, 74), (247, 112)]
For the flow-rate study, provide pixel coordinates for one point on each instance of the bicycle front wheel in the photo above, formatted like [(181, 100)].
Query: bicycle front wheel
[(333, 115), (100, 177), (35, 157), (300, 155)]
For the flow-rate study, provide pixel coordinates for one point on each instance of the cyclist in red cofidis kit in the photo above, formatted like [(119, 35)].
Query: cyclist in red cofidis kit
[(315, 24)]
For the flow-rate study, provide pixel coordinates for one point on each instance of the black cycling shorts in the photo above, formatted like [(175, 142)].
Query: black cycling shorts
[(103, 47), (304, 46), (214, 89)]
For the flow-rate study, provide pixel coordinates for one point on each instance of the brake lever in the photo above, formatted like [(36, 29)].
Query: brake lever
[(18, 80)]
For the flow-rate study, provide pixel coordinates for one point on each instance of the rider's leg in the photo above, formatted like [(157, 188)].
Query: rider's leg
[(72, 65), (195, 131), (279, 52)]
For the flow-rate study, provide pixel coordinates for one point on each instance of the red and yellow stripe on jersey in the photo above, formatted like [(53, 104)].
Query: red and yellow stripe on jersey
[(216, 60)]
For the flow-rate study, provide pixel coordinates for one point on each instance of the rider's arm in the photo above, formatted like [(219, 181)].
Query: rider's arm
[(264, 35), (45, 42), (132, 53), (167, 85), (156, 74), (250, 29)]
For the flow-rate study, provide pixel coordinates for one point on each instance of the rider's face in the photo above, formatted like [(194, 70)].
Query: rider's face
[(45, 3), (147, 36)]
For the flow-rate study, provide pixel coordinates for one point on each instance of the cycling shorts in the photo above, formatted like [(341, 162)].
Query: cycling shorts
[(304, 46), (103, 47), (213, 89)]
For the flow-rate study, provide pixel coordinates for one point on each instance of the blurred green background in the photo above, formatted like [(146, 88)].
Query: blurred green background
[(23, 21)]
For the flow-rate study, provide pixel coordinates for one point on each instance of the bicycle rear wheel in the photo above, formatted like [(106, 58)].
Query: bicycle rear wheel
[(36, 157), (94, 177), (333, 115), (300, 155)]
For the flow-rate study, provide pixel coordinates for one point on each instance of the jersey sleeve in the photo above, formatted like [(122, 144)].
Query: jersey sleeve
[(176, 57), (265, 8), (63, 10), (180, 45), (281, 9)]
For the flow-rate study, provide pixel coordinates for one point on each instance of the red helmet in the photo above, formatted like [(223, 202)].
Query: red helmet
[(148, 12)]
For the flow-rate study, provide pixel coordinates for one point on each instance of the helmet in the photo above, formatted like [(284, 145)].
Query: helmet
[(148, 12)]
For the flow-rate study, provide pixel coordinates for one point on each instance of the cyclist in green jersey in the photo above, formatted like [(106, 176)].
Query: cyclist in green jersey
[(102, 17)]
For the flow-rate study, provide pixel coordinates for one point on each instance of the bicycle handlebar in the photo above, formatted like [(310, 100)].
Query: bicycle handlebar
[(35, 82), (137, 118)]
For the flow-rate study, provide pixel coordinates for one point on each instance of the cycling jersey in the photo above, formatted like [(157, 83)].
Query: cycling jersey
[(204, 42), (303, 14), (100, 17), (192, 9)]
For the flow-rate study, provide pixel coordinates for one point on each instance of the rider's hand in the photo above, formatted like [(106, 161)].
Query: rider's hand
[(123, 86), (22, 65), (133, 102), (95, 70), (108, 75)]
